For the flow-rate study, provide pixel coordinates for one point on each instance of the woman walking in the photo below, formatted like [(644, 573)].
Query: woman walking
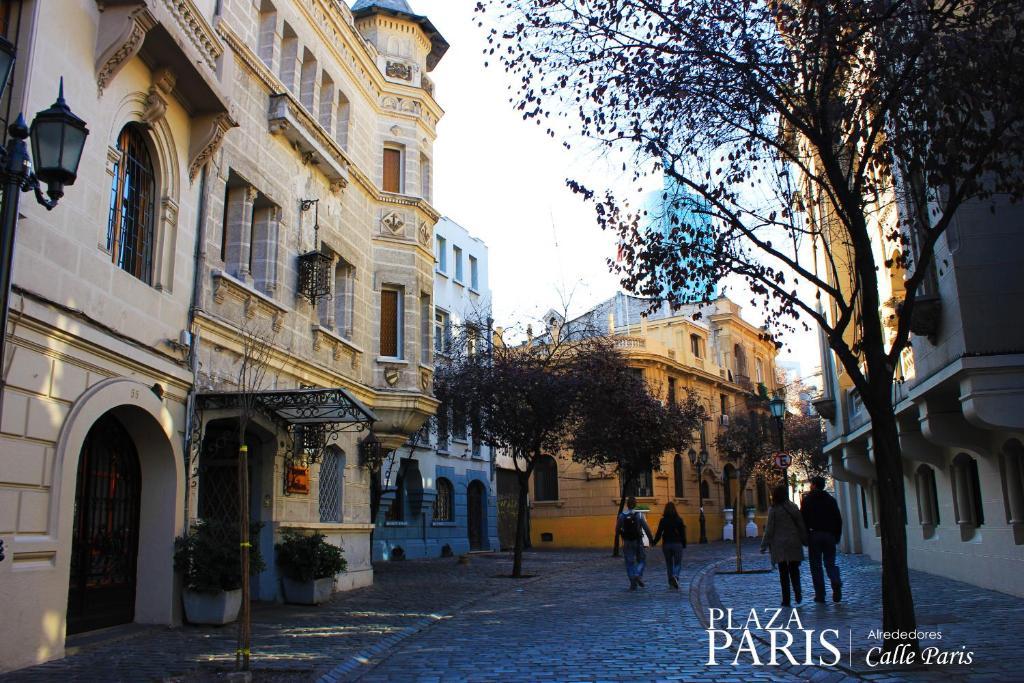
[(672, 532), (786, 535)]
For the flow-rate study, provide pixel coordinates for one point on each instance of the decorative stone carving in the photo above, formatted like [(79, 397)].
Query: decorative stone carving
[(425, 380), (424, 234), (398, 70), (121, 33), (393, 222), (156, 100), (195, 27), (209, 140), (396, 131), (391, 376)]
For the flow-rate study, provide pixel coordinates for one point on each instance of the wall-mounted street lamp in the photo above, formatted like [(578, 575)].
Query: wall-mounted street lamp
[(58, 138), (777, 406)]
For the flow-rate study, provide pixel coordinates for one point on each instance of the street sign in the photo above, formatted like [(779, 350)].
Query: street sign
[(783, 460)]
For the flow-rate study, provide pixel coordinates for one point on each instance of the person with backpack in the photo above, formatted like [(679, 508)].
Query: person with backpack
[(629, 527), (786, 535), (672, 533)]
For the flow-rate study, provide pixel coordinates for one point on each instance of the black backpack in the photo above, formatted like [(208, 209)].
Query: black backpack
[(630, 529)]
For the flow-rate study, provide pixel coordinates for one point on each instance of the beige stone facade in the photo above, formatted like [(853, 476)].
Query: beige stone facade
[(713, 357), (216, 121)]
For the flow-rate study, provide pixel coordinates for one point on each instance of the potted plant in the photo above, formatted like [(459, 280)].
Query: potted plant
[(308, 565), (210, 567)]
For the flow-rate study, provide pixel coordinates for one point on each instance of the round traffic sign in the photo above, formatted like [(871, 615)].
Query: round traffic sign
[(783, 460)]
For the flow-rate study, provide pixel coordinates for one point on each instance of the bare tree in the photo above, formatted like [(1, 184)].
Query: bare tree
[(747, 444), (621, 427), (256, 349), (877, 121)]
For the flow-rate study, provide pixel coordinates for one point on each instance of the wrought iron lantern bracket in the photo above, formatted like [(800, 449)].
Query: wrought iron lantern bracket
[(314, 266)]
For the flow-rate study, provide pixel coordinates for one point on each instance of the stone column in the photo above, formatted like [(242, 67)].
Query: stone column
[(264, 248), (1014, 495), (238, 226)]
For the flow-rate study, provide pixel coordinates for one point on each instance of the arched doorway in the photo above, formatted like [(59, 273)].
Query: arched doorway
[(476, 511), (105, 537)]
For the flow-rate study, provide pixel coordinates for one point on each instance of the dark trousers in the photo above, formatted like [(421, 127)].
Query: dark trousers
[(673, 559), (789, 572), (821, 547)]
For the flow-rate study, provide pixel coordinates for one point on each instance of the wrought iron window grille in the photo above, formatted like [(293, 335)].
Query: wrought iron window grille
[(314, 266)]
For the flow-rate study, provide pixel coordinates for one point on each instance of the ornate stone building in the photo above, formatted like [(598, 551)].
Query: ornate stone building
[(725, 361), (254, 170)]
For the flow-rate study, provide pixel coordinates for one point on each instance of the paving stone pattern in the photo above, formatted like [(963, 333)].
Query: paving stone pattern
[(984, 622), (437, 620)]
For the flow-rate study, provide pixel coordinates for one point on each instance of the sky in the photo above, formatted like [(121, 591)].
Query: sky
[(503, 179)]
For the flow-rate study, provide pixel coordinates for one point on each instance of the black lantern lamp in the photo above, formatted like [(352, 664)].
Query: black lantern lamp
[(699, 461), (372, 451), (314, 266), (7, 52), (778, 407), (58, 138)]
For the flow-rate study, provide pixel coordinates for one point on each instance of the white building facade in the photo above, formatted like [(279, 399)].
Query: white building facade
[(439, 494)]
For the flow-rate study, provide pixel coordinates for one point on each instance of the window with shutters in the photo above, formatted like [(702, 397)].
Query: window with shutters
[(390, 322), (132, 206), (671, 390), (696, 346), (393, 169), (444, 504)]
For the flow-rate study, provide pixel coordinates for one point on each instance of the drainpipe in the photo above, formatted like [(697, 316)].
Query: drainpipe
[(195, 305)]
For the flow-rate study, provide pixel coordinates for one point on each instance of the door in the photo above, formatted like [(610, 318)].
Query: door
[(477, 522), (105, 540)]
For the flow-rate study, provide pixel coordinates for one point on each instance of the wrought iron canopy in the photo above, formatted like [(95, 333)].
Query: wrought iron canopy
[(298, 407)]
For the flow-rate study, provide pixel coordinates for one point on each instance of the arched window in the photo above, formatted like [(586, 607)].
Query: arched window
[(332, 483), (705, 489), (1012, 466), (967, 495), (677, 474), (741, 359), (545, 479), (927, 499), (132, 202), (444, 504)]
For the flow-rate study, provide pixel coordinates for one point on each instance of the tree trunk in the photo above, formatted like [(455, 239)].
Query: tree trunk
[(897, 597), (517, 552), (622, 504), (736, 527), (244, 627)]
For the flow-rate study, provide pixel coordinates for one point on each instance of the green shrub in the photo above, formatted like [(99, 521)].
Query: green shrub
[(209, 558), (303, 557)]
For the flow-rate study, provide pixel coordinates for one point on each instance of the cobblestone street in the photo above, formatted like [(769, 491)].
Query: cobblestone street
[(574, 620)]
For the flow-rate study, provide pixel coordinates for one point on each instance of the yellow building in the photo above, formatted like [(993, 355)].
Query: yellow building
[(723, 360)]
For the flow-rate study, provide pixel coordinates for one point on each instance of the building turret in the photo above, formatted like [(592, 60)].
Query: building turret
[(407, 43)]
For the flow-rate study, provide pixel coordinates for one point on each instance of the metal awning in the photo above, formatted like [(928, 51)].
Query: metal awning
[(300, 407)]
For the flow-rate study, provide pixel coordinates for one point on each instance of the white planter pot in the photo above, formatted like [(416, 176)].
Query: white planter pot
[(308, 592), (751, 525), (212, 608), (727, 530)]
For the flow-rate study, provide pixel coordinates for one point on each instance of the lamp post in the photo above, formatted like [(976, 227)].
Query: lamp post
[(58, 138), (699, 460), (777, 406)]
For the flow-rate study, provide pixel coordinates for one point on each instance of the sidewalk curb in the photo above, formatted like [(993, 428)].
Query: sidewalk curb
[(704, 595), (368, 659)]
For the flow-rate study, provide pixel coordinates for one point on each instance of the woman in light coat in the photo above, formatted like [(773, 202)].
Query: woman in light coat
[(786, 535)]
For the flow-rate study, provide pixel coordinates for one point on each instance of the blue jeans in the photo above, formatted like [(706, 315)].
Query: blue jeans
[(673, 559), (821, 547), (636, 558)]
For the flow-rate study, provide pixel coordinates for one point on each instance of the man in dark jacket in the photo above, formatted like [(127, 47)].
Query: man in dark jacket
[(824, 529)]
